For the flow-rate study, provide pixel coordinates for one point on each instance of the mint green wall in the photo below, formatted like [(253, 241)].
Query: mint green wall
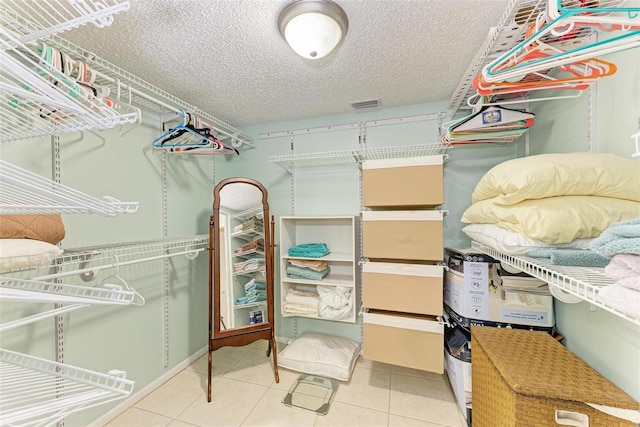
[(126, 338), (607, 343)]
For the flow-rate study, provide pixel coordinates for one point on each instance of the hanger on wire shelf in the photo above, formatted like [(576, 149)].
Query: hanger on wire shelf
[(116, 282)]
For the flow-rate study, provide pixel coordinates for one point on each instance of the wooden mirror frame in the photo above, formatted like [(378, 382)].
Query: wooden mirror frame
[(244, 335)]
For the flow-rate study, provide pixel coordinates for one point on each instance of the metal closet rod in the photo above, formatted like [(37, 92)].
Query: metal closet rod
[(116, 264), (164, 104)]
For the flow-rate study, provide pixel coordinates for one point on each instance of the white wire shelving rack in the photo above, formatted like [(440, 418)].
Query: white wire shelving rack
[(511, 30), (39, 392), (582, 282), (355, 156), (30, 20), (24, 192), (90, 259), (133, 89), (25, 21), (86, 263), (46, 292), (39, 100)]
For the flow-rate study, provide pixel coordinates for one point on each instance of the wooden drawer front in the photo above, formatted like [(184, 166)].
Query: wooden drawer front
[(408, 341), (408, 288), (410, 235), (415, 181)]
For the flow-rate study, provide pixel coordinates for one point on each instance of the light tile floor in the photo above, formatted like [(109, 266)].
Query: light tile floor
[(245, 394)]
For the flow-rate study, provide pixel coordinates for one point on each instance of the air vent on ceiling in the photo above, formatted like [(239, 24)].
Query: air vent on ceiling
[(365, 105)]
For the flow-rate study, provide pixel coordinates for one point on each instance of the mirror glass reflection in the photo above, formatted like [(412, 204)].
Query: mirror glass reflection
[(243, 284)]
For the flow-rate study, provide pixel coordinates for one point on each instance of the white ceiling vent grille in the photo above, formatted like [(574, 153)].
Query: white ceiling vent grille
[(366, 105)]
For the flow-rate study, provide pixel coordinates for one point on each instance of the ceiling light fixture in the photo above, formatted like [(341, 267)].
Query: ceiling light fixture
[(313, 28)]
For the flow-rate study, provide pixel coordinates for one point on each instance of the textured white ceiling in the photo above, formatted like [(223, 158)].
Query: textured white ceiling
[(228, 58)]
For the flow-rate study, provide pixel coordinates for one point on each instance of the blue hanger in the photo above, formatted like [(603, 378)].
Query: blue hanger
[(175, 137)]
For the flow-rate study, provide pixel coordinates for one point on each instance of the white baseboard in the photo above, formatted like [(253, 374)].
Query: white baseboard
[(142, 393)]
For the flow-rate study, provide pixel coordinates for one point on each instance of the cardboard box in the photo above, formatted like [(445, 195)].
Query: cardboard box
[(457, 357), (404, 182), (403, 235), (409, 288), (404, 340), (472, 290), (526, 378)]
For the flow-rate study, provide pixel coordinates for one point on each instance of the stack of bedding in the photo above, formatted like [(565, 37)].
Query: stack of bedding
[(552, 206), (327, 302), (621, 243), (29, 240), (299, 302)]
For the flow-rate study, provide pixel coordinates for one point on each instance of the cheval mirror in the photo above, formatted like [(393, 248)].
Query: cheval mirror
[(241, 252)]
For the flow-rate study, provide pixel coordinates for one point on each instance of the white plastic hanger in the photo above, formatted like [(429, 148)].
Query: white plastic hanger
[(115, 278)]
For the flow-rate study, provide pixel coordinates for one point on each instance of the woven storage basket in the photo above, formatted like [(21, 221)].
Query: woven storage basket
[(521, 378)]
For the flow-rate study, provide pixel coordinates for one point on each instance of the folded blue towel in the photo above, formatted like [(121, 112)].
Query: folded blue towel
[(251, 299), (305, 273), (309, 250), (619, 238), (574, 257)]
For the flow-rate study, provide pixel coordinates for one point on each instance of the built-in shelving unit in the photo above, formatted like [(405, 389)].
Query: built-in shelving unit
[(256, 271), (355, 156), (39, 392), (582, 282), (338, 233)]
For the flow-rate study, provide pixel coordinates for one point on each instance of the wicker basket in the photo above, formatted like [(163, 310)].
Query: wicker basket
[(526, 378)]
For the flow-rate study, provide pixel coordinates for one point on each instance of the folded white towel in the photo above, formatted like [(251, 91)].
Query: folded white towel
[(624, 269), (289, 308), (621, 298), (302, 298)]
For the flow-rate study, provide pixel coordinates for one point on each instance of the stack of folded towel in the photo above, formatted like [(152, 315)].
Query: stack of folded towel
[(309, 250), (254, 292), (256, 245), (254, 223), (252, 264), (621, 243), (307, 269), (300, 303)]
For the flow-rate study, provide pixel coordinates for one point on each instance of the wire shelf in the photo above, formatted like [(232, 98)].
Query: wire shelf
[(126, 253), (31, 20), (39, 392), (511, 30), (139, 92), (345, 157), (582, 282), (47, 292), (36, 99), (131, 251), (23, 192)]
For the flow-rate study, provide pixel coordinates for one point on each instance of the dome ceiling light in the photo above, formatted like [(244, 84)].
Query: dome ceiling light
[(313, 28)]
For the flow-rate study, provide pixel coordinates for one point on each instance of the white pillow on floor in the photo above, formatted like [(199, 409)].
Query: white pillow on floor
[(320, 354)]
